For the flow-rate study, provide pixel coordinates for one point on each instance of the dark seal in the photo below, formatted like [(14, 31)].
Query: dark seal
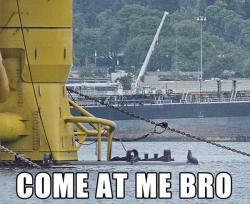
[(191, 159)]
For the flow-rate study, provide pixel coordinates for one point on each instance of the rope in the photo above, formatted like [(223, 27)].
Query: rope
[(88, 144), (123, 146)]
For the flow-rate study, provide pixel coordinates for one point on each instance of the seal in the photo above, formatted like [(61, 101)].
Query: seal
[(191, 159)]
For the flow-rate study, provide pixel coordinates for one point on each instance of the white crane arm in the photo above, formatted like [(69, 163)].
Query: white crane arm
[(150, 51)]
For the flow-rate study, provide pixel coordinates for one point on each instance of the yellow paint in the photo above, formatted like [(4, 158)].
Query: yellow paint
[(109, 148), (11, 127), (48, 36), (4, 83)]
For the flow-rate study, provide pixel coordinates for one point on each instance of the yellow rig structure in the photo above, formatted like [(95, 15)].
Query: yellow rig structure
[(35, 60)]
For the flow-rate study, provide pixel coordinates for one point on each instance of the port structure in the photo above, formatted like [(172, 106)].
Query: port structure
[(35, 60)]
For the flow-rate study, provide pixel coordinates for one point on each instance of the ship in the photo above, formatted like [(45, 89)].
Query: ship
[(156, 106), (218, 116)]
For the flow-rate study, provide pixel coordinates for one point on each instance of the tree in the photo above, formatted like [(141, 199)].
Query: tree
[(144, 26), (86, 42), (246, 68), (87, 70), (187, 28), (126, 82), (127, 27), (245, 36), (136, 50)]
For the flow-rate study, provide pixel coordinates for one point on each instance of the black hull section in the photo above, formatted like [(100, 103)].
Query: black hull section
[(171, 111)]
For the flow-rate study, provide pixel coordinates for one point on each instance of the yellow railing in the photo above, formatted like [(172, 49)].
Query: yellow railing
[(100, 127)]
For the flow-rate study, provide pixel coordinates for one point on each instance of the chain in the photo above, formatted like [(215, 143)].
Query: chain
[(208, 141), (151, 133), (20, 157), (133, 115), (163, 125), (156, 130)]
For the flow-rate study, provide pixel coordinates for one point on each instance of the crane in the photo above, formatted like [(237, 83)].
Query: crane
[(150, 52)]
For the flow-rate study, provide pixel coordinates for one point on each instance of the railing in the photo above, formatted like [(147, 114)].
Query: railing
[(100, 127), (184, 99), (219, 100)]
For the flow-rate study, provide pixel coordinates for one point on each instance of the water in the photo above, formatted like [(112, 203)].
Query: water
[(229, 127), (211, 159)]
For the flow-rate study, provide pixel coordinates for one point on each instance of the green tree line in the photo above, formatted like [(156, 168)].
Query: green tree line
[(128, 26)]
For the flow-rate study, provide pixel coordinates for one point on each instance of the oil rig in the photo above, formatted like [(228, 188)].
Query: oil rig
[(35, 60)]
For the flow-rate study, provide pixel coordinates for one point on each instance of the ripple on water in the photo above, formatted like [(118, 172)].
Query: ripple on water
[(211, 159)]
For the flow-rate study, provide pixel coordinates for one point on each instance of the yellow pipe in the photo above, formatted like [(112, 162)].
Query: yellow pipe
[(11, 127), (80, 134), (80, 109), (98, 124), (90, 132), (4, 82), (99, 144), (86, 131), (91, 120), (83, 112), (109, 150)]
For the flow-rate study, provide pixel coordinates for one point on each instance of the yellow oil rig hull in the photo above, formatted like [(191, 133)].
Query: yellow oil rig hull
[(35, 60)]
